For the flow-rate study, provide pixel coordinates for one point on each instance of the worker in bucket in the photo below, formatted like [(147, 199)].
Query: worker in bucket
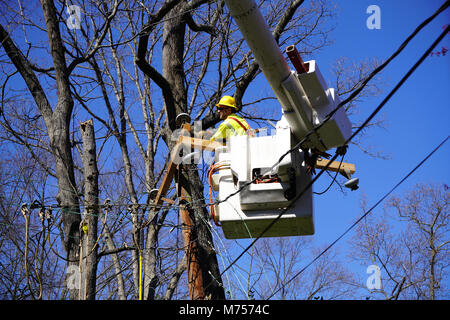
[(232, 124)]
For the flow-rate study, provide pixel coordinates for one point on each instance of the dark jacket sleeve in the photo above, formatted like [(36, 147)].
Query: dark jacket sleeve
[(210, 120)]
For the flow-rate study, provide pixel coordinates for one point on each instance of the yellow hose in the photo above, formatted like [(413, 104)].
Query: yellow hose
[(140, 274)]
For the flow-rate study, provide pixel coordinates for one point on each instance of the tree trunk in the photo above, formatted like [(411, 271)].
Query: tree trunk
[(173, 72), (174, 280), (89, 158), (57, 122), (150, 261), (204, 251), (432, 281), (114, 255)]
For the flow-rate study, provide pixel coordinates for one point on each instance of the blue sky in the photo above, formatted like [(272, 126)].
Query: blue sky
[(417, 115)]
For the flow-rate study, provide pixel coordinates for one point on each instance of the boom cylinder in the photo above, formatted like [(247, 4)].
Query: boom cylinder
[(296, 60), (297, 109), (304, 95), (262, 44)]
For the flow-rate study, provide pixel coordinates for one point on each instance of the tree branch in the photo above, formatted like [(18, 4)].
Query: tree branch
[(99, 40), (142, 63), (112, 251), (198, 28), (25, 69)]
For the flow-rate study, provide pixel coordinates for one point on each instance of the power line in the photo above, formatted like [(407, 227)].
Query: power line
[(365, 214), (351, 97), (372, 115), (395, 54)]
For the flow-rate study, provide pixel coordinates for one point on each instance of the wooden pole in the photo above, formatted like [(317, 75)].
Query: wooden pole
[(193, 265), (196, 274)]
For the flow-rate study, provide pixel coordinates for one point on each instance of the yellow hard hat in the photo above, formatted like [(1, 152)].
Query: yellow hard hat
[(227, 101)]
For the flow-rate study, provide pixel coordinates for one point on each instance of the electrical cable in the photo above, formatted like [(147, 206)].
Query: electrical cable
[(380, 106), (366, 213), (395, 54), (140, 274), (25, 212), (341, 104), (353, 95), (334, 179), (212, 169)]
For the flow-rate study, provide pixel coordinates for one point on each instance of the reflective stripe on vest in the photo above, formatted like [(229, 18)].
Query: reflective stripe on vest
[(229, 126), (240, 123)]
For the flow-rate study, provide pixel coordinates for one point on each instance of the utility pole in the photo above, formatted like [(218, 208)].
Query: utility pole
[(204, 279), (193, 264)]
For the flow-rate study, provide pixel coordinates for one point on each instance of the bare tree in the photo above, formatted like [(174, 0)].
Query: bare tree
[(414, 260), (28, 265), (374, 244), (425, 209), (281, 276), (349, 76), (57, 119), (132, 66)]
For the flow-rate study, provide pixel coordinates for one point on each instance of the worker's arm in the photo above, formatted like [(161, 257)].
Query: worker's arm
[(222, 132)]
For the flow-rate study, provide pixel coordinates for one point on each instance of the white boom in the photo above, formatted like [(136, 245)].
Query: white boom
[(255, 189), (305, 98)]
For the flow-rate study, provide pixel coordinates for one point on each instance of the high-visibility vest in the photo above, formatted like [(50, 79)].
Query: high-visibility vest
[(233, 125)]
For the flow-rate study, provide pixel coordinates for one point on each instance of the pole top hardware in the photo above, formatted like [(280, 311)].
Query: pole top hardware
[(182, 118)]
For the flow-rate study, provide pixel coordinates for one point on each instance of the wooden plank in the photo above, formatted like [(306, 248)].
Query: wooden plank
[(167, 179), (200, 143), (165, 184), (170, 201), (211, 146), (334, 166), (171, 167)]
